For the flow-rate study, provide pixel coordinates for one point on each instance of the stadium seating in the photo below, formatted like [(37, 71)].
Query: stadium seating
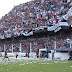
[(35, 15), (27, 16)]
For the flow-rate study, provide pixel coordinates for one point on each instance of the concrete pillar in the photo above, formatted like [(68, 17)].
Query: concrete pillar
[(70, 44), (55, 46), (20, 47), (12, 48), (30, 47), (4, 47)]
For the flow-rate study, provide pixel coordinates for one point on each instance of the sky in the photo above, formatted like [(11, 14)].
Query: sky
[(7, 5)]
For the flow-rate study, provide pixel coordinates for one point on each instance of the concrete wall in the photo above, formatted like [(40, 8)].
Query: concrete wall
[(57, 55), (60, 55)]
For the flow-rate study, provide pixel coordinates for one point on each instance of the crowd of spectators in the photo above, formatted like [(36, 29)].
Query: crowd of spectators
[(33, 14), (30, 15), (63, 40)]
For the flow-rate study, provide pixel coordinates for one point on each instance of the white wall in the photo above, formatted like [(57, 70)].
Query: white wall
[(14, 54), (60, 55)]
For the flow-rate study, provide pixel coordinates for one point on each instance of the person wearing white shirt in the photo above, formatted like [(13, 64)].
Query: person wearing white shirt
[(52, 52)]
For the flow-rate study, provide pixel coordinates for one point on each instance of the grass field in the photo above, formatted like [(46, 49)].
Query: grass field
[(40, 65)]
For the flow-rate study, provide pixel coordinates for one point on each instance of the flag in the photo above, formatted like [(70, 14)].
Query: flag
[(28, 33)]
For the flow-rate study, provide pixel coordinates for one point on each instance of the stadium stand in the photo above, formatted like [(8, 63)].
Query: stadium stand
[(38, 15), (25, 17)]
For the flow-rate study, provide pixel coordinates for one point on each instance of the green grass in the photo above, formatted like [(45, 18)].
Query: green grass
[(36, 66)]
